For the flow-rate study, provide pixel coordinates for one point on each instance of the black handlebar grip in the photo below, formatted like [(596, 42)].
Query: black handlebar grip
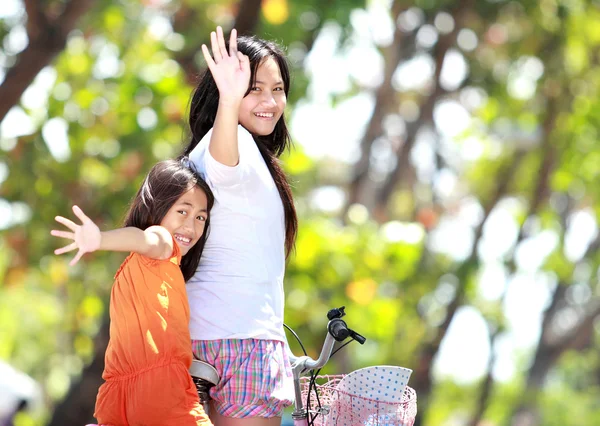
[(358, 337), (338, 329)]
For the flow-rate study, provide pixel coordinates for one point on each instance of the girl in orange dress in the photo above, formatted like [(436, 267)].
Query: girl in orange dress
[(149, 352)]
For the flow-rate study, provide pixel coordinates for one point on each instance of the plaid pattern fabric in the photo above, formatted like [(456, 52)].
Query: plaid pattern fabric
[(256, 376)]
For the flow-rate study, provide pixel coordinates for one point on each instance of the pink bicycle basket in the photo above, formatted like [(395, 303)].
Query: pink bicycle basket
[(343, 408)]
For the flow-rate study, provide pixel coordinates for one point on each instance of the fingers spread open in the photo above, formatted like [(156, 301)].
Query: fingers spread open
[(221, 41), (81, 215), (215, 47), (244, 61), (76, 258), (69, 224), (233, 43), (209, 60), (66, 249), (62, 234)]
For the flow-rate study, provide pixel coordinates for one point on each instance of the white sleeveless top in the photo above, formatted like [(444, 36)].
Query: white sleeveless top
[(237, 290)]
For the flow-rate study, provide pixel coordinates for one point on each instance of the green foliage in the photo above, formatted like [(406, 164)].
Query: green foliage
[(120, 89)]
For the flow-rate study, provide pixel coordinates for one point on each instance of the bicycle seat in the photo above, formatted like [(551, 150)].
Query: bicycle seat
[(203, 370)]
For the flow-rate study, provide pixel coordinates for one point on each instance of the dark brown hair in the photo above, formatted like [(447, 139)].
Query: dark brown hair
[(203, 110), (167, 181)]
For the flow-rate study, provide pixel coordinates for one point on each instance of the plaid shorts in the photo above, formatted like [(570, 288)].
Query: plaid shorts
[(256, 376)]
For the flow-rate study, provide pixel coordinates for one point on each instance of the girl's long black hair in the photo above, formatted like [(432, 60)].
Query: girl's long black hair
[(203, 110), (165, 183)]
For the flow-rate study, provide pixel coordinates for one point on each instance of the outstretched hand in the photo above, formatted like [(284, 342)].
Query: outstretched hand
[(230, 70), (86, 237)]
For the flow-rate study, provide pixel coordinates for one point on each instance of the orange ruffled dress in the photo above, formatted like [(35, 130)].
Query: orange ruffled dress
[(149, 352)]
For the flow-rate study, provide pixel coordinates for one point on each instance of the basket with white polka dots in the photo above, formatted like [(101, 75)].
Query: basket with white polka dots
[(372, 396)]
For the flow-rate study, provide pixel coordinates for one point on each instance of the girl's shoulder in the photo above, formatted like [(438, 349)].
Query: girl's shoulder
[(134, 260), (174, 257), (243, 136)]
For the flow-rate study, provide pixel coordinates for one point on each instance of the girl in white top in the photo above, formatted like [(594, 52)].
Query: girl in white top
[(236, 296)]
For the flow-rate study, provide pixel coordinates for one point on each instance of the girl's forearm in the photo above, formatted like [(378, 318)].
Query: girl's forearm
[(132, 239), (224, 139)]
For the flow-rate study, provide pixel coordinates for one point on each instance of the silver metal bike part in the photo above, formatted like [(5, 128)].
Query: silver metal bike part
[(204, 377)]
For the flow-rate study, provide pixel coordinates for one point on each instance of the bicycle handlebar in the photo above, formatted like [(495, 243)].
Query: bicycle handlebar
[(303, 363), (337, 330)]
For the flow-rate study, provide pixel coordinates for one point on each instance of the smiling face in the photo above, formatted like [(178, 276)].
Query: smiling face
[(186, 218), (262, 108)]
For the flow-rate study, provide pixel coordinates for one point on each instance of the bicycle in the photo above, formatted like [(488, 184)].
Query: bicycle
[(371, 396)]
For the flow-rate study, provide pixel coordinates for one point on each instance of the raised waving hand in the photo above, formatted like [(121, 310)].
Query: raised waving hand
[(230, 69), (86, 237)]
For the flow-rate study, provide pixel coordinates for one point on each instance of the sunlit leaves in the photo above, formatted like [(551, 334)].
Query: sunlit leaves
[(356, 267), (362, 291), (275, 11), (95, 173), (114, 19), (125, 97), (577, 57)]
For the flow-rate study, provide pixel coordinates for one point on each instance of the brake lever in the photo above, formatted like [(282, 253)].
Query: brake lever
[(358, 337)]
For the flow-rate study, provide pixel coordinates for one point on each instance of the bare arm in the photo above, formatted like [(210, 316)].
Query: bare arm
[(155, 242), (223, 144), (231, 72)]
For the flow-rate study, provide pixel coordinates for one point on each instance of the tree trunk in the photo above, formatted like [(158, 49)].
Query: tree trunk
[(247, 17), (486, 388), (549, 352), (385, 101), (426, 117), (538, 198), (423, 381)]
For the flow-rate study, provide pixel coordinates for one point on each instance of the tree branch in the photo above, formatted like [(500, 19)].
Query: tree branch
[(549, 350), (385, 101), (539, 196), (73, 10), (40, 51), (442, 47), (245, 22), (486, 388), (37, 23), (247, 17), (423, 383)]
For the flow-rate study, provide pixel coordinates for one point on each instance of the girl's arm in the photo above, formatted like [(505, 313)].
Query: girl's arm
[(231, 72), (155, 242)]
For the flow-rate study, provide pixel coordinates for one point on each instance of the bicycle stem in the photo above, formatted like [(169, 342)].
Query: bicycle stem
[(303, 363)]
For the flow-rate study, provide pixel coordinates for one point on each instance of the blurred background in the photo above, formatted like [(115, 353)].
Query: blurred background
[(446, 172)]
